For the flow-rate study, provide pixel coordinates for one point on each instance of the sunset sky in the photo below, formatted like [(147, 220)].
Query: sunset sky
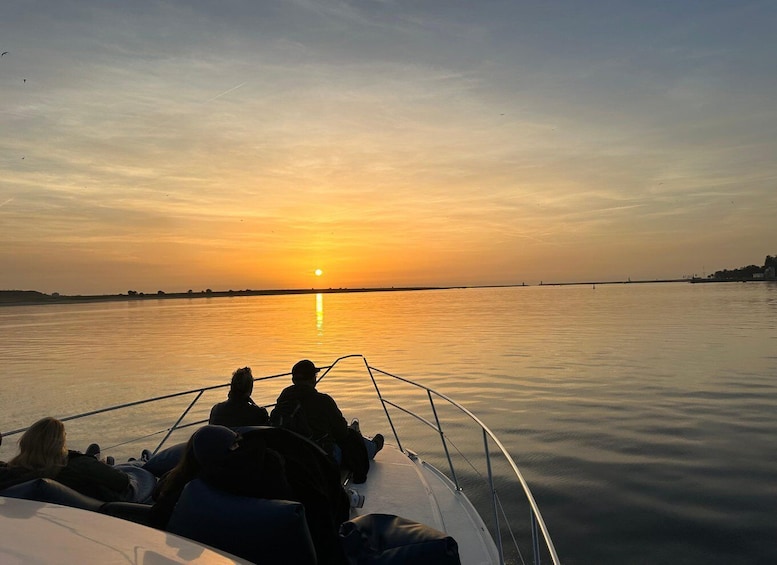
[(231, 145)]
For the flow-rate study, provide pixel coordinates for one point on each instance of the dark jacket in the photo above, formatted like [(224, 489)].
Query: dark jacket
[(10, 476), (234, 412), (326, 422), (94, 478)]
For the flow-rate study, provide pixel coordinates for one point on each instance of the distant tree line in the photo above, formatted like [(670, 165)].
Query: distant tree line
[(162, 292), (751, 271)]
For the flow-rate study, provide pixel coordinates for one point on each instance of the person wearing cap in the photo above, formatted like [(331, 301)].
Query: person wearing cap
[(239, 409), (328, 427)]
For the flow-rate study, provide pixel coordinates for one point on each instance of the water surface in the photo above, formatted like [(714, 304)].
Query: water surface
[(642, 416)]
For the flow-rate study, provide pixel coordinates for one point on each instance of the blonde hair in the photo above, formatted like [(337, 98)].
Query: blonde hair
[(42, 448)]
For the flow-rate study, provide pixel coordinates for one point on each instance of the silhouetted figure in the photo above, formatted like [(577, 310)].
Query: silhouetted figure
[(324, 422), (262, 463), (239, 409), (43, 453)]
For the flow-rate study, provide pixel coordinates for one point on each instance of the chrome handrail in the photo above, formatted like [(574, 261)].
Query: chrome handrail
[(535, 515)]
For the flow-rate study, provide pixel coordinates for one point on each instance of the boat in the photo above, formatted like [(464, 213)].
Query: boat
[(458, 479)]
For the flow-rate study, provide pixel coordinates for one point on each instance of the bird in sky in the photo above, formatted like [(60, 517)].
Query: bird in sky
[(3, 53)]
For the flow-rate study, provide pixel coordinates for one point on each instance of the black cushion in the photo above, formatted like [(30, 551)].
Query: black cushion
[(49, 490), (165, 459), (256, 529), (132, 511), (384, 538)]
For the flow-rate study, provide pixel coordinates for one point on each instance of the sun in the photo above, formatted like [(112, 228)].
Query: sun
[(318, 272)]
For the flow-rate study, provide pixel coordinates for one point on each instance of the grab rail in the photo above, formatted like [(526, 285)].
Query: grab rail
[(535, 515)]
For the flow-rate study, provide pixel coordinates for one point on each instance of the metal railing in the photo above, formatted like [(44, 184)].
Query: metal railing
[(537, 523), (539, 531)]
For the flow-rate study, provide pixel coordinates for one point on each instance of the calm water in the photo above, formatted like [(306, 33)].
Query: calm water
[(644, 417)]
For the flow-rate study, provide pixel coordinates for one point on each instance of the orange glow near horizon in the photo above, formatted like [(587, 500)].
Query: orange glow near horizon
[(198, 163)]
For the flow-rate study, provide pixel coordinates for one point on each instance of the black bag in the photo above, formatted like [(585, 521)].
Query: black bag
[(381, 539)]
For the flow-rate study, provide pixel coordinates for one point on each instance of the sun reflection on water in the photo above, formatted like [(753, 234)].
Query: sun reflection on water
[(320, 312)]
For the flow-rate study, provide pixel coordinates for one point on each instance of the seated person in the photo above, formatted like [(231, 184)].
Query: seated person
[(262, 465), (43, 454), (324, 422), (239, 409)]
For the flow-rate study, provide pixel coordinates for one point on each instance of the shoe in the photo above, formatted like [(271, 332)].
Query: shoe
[(110, 460), (93, 451), (355, 425), (378, 440), (357, 500), (145, 455)]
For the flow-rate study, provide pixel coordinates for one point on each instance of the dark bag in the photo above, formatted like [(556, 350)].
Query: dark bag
[(381, 539)]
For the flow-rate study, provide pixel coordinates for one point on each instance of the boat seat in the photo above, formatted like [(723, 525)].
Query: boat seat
[(165, 460), (256, 529), (142, 482), (49, 490), (132, 511), (54, 492)]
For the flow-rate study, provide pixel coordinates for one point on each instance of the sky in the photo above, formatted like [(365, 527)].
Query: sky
[(165, 145)]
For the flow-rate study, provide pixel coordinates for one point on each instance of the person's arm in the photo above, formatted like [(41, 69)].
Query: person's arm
[(213, 414), (337, 423), (261, 417)]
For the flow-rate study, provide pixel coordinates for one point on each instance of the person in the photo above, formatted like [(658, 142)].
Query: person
[(254, 464), (215, 454), (324, 422), (171, 485), (43, 454), (239, 409)]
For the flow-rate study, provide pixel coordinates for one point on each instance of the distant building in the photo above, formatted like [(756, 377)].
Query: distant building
[(769, 273)]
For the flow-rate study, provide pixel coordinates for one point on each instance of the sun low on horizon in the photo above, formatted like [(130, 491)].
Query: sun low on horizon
[(318, 272)]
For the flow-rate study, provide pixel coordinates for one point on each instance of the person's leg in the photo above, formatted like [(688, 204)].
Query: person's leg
[(337, 454), (373, 445), (371, 448)]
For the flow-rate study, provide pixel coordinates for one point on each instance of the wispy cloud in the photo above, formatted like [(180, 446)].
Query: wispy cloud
[(487, 139)]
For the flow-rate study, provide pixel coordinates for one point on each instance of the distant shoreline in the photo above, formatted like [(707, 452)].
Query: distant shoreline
[(34, 297), (589, 283)]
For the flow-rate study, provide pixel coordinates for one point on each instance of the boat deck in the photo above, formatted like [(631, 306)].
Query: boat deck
[(406, 486), (50, 534)]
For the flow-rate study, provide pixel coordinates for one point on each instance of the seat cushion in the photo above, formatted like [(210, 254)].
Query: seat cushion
[(49, 490), (256, 529)]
